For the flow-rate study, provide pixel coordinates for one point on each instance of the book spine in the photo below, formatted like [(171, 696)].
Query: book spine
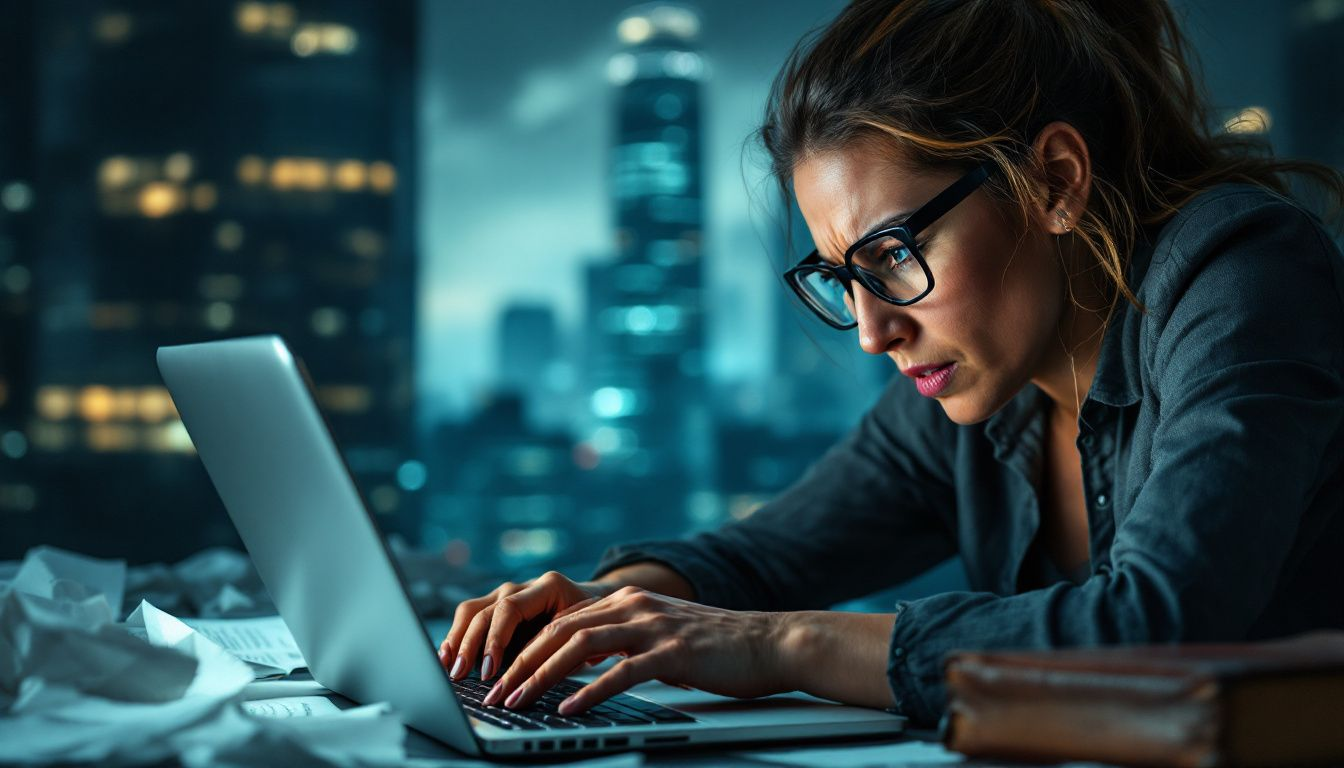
[(1053, 715)]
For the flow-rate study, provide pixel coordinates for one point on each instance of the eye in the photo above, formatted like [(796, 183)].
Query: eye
[(897, 257)]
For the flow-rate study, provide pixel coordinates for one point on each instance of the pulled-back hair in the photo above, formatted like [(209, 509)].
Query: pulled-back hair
[(953, 83)]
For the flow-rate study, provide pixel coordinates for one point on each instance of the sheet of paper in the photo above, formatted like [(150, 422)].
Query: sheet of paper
[(293, 706), (265, 642), (75, 687)]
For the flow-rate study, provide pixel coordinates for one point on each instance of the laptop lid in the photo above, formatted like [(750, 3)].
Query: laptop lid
[(251, 415)]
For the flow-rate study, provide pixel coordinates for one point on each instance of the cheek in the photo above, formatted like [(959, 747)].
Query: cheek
[(997, 306)]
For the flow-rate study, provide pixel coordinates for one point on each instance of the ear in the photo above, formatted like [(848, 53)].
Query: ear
[(1068, 176)]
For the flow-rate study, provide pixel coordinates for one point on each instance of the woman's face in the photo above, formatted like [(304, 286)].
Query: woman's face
[(996, 307)]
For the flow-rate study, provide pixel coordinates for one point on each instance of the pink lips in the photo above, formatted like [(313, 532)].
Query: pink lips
[(931, 379)]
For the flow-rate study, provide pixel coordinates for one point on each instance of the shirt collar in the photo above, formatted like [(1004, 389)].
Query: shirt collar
[(1117, 381)]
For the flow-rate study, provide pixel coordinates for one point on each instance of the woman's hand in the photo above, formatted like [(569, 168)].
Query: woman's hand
[(483, 626), (733, 653)]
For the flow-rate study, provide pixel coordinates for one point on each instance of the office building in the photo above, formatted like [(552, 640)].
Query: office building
[(647, 421), (205, 171)]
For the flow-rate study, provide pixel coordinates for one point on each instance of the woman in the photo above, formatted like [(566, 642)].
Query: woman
[(1123, 401)]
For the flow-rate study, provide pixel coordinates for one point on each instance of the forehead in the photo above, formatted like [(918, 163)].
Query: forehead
[(844, 193)]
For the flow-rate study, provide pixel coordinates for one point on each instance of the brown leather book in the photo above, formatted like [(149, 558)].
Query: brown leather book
[(1274, 703)]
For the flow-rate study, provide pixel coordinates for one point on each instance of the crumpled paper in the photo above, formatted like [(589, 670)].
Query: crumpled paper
[(77, 688)]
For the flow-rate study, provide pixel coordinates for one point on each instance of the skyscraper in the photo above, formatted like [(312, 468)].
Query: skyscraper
[(204, 171), (647, 423)]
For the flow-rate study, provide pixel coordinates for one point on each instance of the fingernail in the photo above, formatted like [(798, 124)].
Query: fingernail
[(487, 667), (567, 706), (457, 667), (515, 696), (493, 695)]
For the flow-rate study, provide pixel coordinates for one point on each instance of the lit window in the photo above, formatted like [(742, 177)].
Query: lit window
[(109, 438), (116, 172), (153, 404), (55, 403), (178, 166), (251, 17), (219, 316), (350, 175), (338, 39), (158, 199), (171, 437), (251, 169), (124, 404), (285, 173), (312, 174), (327, 321), (96, 403), (306, 41), (382, 177)]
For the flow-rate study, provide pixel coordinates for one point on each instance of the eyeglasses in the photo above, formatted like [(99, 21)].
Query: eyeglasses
[(888, 262)]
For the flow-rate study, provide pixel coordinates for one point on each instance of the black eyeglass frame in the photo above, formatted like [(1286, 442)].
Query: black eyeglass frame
[(906, 232)]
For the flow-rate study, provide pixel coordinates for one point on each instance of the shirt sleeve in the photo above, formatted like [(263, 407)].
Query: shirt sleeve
[(1245, 369), (875, 510)]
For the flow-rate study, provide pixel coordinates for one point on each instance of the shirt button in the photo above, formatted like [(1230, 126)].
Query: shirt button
[(898, 653), (1103, 500), (1087, 441)]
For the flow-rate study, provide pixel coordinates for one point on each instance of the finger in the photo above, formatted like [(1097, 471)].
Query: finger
[(583, 644), (509, 612), (546, 643), (472, 641), (626, 674), (462, 616)]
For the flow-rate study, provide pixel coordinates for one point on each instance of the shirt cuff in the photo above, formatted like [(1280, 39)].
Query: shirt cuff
[(914, 680)]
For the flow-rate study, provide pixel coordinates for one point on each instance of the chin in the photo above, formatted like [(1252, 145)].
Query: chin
[(965, 408)]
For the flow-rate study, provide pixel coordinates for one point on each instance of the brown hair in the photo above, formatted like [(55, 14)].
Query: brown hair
[(957, 82)]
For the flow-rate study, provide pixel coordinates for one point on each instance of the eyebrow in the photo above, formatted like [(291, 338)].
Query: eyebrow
[(886, 223)]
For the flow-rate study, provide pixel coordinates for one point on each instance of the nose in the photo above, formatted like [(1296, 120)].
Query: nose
[(882, 326)]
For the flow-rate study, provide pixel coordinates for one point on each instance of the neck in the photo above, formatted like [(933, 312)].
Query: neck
[(1071, 365)]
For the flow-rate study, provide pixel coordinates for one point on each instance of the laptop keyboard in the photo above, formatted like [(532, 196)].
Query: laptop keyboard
[(620, 709)]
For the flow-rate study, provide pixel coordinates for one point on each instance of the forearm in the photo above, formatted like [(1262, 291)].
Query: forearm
[(649, 575), (838, 656)]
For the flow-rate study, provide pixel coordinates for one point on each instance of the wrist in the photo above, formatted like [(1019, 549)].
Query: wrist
[(799, 642), (650, 575)]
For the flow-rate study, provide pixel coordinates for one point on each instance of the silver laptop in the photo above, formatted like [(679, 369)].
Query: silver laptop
[(249, 409)]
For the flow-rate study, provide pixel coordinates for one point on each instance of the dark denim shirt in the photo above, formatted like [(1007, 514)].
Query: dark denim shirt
[(1212, 446)]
